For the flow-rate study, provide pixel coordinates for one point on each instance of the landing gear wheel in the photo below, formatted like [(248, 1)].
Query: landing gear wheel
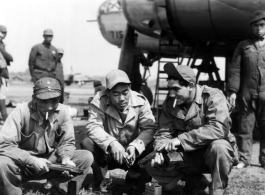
[(146, 91)]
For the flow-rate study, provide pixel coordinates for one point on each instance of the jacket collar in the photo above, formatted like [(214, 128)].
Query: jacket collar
[(194, 108), (34, 113)]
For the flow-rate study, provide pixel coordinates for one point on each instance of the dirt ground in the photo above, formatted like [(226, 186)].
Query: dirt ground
[(242, 182)]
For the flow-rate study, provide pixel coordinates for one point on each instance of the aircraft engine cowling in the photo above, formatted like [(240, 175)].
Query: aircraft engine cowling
[(192, 20), (149, 17)]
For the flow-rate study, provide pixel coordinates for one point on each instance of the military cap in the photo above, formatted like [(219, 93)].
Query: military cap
[(258, 15), (47, 88), (3, 29), (60, 50), (116, 76), (48, 32), (180, 72)]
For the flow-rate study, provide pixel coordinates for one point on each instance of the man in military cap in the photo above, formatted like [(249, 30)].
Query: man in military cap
[(38, 133), (4, 75), (195, 126), (120, 125), (43, 58), (59, 71), (246, 84)]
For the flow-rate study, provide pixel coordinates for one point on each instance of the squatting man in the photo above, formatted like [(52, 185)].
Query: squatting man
[(195, 125), (35, 134)]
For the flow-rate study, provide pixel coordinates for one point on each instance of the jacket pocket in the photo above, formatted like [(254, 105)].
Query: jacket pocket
[(28, 141)]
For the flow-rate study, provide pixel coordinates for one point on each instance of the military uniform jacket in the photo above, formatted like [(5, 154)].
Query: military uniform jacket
[(206, 120), (24, 134), (42, 60), (105, 125), (247, 72)]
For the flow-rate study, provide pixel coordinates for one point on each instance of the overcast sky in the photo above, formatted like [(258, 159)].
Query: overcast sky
[(85, 49)]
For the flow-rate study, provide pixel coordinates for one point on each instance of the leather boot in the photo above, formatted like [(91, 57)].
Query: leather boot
[(195, 184)]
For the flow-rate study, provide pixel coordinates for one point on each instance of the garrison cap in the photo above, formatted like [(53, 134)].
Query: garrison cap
[(180, 72), (116, 76), (258, 15), (3, 29), (47, 88), (60, 50), (48, 32)]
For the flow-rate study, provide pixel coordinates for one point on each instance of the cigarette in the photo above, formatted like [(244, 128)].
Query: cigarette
[(46, 115), (175, 101)]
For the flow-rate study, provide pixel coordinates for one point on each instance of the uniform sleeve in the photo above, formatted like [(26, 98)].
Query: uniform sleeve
[(147, 126), (95, 128), (166, 126), (32, 60), (234, 71), (66, 146), (217, 126), (10, 137), (6, 55)]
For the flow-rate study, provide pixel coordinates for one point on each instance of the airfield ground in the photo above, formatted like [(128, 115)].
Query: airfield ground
[(250, 181)]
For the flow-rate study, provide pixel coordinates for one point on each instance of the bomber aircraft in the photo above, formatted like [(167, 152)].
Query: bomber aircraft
[(177, 29)]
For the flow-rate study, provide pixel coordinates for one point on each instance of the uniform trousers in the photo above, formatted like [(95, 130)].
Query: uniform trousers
[(216, 159), (250, 112)]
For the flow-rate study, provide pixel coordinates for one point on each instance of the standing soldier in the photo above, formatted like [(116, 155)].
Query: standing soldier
[(4, 72), (59, 71), (246, 81), (43, 58)]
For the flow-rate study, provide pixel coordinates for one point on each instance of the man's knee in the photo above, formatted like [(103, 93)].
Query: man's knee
[(84, 158), (87, 144), (4, 162), (220, 149), (7, 166)]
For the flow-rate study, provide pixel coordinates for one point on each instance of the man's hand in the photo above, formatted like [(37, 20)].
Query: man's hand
[(232, 99), (172, 145), (130, 154), (158, 160), (67, 161), (117, 151), (40, 165)]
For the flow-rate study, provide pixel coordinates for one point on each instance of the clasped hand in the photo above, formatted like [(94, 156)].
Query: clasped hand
[(118, 152), (169, 146)]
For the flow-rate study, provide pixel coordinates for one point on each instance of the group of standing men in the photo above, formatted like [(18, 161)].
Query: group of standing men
[(192, 136)]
